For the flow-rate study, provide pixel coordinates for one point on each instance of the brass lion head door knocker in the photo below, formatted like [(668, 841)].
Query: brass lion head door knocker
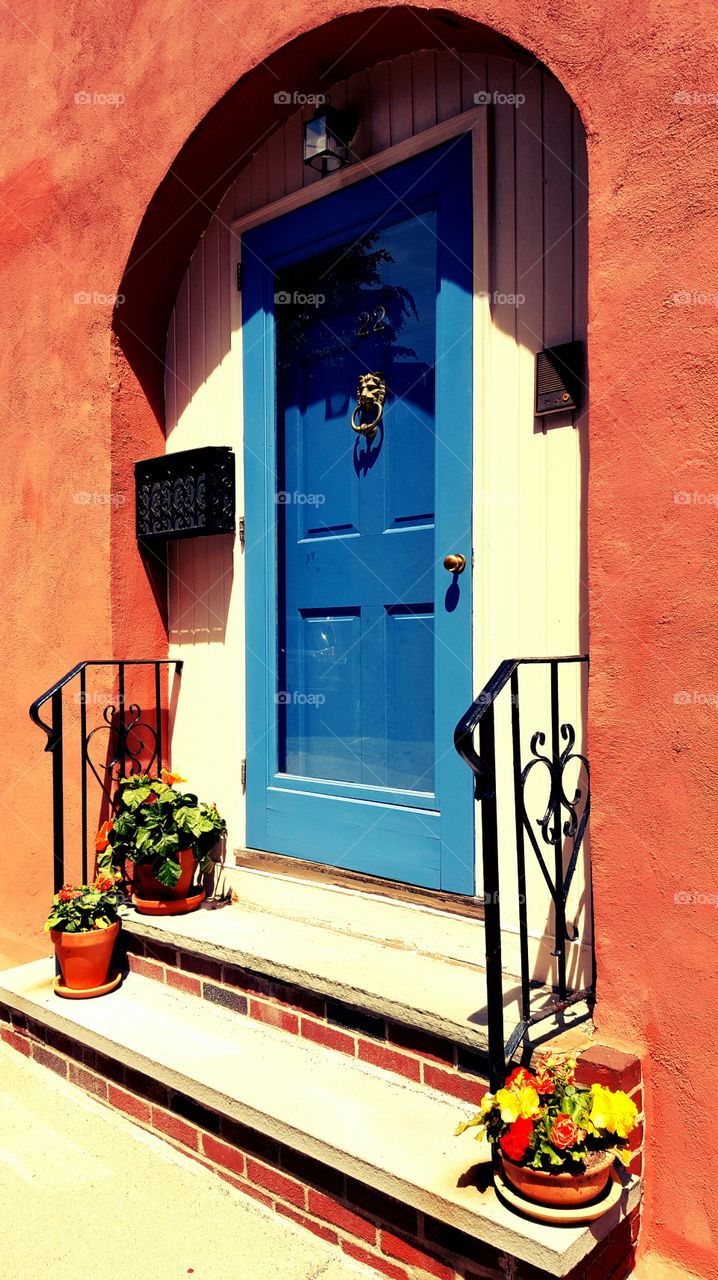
[(367, 414)]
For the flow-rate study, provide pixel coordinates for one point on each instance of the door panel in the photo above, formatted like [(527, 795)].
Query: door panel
[(352, 619)]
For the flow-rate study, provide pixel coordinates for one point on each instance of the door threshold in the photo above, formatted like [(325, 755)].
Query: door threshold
[(321, 873)]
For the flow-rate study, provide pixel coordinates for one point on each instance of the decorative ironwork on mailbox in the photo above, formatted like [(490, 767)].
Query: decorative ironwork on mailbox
[(185, 495)]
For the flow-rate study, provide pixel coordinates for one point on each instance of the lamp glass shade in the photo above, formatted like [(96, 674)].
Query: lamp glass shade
[(324, 148)]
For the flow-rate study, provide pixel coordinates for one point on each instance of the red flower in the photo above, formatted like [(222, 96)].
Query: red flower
[(103, 883), (101, 840), (515, 1141), (564, 1133), (523, 1078)]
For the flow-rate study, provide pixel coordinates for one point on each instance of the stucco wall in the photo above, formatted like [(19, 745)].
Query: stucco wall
[(76, 179)]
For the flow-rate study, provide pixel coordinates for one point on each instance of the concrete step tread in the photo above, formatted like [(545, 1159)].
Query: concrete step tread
[(389, 1133), (436, 994)]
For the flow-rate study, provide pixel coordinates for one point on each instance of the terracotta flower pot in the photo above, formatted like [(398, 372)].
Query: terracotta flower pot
[(560, 1188), (149, 886), (84, 958)]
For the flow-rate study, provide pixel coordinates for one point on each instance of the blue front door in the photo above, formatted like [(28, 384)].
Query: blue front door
[(358, 640)]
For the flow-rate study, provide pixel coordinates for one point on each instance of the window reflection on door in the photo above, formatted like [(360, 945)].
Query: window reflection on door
[(355, 517)]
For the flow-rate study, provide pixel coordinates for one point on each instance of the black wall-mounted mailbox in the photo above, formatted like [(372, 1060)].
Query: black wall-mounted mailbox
[(185, 495), (559, 373)]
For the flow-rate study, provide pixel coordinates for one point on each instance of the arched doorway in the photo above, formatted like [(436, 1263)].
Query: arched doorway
[(528, 257)]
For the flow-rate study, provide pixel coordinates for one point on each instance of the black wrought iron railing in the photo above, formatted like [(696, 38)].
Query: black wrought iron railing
[(122, 739), (555, 837)]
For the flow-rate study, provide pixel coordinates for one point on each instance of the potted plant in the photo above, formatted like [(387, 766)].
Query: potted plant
[(83, 924), (555, 1140), (166, 834)]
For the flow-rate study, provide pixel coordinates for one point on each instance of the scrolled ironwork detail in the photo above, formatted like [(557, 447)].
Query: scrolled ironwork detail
[(553, 829), (187, 494), (126, 749)]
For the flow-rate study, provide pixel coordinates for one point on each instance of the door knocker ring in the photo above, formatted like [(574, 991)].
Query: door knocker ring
[(371, 394)]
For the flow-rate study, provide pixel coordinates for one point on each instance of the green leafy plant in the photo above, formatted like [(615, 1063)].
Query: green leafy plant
[(83, 908), (546, 1121), (154, 823)]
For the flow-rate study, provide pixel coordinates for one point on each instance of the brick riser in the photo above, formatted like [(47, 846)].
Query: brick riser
[(402, 1050), (394, 1239)]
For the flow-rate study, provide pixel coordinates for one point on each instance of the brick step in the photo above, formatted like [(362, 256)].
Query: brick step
[(436, 1062), (353, 1152), (414, 1013)]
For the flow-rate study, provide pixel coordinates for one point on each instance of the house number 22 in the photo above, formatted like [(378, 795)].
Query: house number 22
[(365, 322)]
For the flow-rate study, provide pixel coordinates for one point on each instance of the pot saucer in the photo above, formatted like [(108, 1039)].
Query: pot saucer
[(167, 906), (561, 1216), (72, 993)]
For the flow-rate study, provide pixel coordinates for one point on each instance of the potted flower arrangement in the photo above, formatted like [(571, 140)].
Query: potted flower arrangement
[(166, 834), (83, 924), (555, 1140)]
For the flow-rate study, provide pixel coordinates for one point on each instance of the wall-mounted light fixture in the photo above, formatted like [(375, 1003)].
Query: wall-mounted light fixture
[(327, 137)]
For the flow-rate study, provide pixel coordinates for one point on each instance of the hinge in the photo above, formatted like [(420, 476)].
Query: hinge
[(239, 277), (244, 776), (241, 532)]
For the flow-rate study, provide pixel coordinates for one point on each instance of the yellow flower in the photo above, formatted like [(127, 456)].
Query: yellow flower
[(517, 1102), (171, 778), (613, 1111), (487, 1103)]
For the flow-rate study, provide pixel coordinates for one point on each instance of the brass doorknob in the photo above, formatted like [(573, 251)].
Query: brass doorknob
[(455, 564)]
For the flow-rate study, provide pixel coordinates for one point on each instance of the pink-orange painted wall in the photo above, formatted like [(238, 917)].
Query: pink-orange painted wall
[(82, 181)]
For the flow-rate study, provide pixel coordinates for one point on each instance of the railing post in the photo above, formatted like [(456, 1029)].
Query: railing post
[(158, 718), (122, 734), (520, 849), (83, 770), (560, 899), (58, 811), (492, 906)]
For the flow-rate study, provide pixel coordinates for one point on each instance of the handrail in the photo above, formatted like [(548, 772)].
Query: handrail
[(131, 741), (554, 830), (83, 666)]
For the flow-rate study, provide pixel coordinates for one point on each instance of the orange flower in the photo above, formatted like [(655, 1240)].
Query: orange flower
[(171, 778), (101, 839), (564, 1133), (103, 883), (544, 1083)]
